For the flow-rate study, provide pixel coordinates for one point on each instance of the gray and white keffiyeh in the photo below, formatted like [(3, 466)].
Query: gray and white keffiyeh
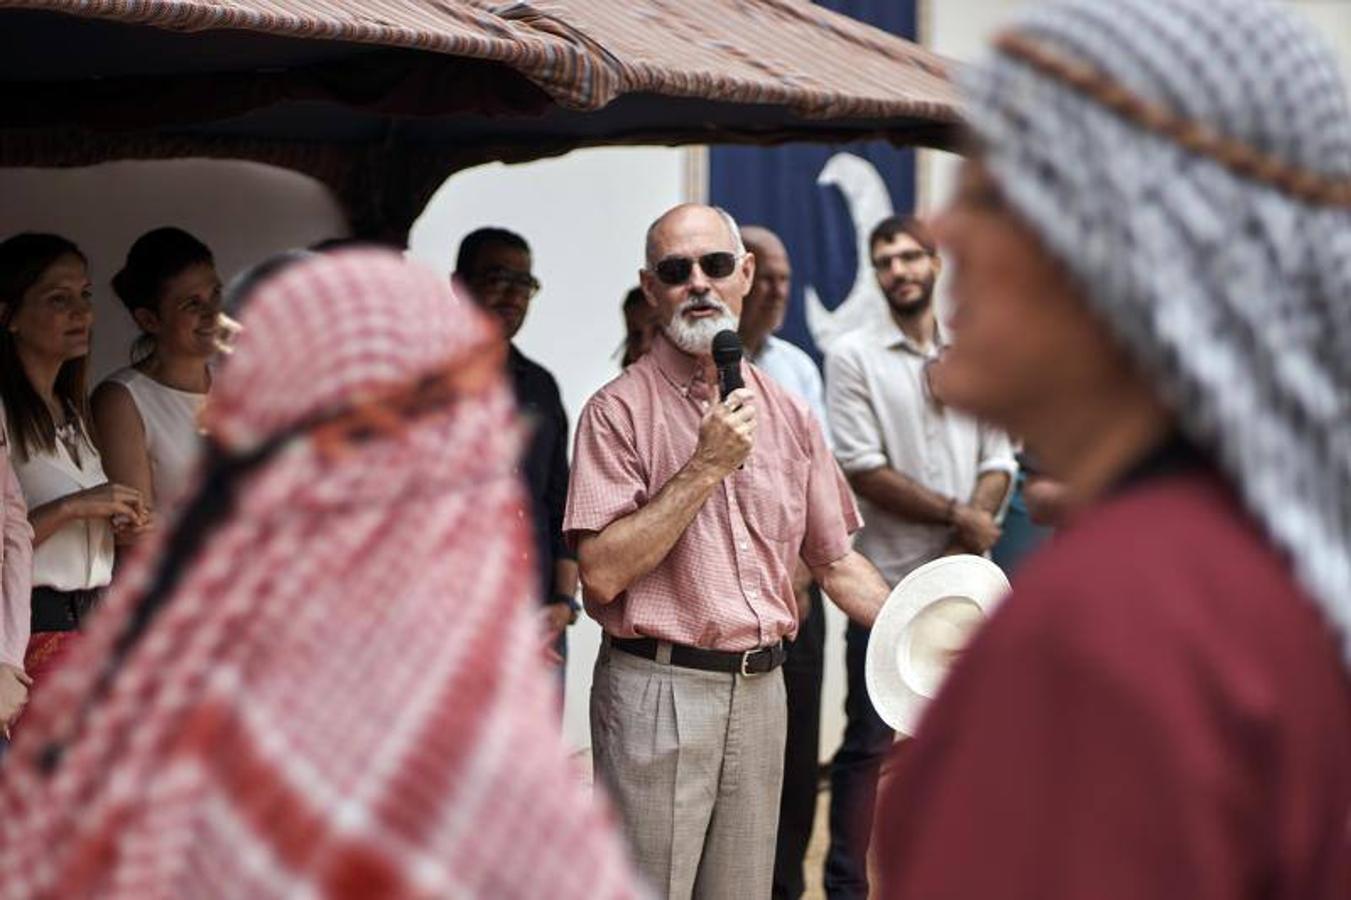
[(1235, 294)]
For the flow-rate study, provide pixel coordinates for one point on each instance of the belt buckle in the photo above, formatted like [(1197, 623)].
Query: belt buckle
[(745, 661)]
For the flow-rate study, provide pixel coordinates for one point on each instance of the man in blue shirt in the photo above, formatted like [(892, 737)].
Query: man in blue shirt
[(762, 314)]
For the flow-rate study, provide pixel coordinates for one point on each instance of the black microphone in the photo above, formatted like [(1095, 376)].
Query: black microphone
[(727, 357)]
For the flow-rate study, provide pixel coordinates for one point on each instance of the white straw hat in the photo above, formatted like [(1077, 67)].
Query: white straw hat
[(924, 625)]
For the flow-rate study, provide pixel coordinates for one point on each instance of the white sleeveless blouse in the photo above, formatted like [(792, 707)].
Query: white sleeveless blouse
[(80, 554), (171, 436)]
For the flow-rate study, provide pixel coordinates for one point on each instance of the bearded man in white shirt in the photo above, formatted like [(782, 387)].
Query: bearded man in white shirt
[(930, 481)]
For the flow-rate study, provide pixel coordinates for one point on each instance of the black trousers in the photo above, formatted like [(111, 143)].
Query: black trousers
[(53, 610), (802, 672), (853, 778)]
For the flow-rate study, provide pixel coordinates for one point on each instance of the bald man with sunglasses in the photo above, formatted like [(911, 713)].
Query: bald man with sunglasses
[(688, 514)]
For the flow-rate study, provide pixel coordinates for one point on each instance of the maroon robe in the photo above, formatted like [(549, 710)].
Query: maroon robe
[(1157, 711)]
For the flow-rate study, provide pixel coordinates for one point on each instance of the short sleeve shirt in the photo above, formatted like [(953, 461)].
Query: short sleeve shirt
[(726, 584)]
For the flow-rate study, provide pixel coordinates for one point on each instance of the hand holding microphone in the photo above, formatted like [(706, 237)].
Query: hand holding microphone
[(727, 433), (727, 357)]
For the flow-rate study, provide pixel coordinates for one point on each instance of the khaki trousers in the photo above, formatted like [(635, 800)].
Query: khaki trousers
[(694, 762)]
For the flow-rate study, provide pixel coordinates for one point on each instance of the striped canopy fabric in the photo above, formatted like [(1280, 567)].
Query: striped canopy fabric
[(384, 98)]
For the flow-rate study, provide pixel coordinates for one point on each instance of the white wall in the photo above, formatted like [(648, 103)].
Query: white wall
[(584, 216), (243, 211)]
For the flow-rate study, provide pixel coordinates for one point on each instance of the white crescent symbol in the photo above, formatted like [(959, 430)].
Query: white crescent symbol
[(869, 202)]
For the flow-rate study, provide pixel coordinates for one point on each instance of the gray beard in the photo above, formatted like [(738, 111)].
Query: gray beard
[(696, 338)]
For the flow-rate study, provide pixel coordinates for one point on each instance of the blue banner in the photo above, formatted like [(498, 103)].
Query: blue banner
[(822, 201)]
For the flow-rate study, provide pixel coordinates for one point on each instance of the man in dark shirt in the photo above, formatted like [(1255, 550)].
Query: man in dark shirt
[(495, 266)]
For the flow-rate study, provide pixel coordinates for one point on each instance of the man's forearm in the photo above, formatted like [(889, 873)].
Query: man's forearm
[(565, 578), (854, 585), (628, 548), (977, 530), (990, 492), (902, 496)]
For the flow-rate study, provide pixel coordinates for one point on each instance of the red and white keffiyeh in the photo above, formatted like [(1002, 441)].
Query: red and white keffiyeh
[(344, 696)]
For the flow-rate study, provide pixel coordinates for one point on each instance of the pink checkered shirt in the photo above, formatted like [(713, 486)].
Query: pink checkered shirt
[(726, 584)]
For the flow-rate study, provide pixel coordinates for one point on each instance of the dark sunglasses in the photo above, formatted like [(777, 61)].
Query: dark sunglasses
[(674, 270)]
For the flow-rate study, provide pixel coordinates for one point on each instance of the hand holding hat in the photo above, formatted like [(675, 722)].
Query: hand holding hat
[(923, 627)]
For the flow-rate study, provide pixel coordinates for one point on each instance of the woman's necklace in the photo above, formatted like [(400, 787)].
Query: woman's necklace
[(68, 433)]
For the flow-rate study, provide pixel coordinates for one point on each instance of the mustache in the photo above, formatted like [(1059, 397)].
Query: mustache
[(703, 301), (926, 289)]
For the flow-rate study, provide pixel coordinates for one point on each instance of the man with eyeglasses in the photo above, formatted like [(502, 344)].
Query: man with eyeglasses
[(689, 514), (930, 481), (494, 265)]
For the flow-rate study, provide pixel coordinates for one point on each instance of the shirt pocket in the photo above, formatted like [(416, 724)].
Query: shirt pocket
[(778, 499)]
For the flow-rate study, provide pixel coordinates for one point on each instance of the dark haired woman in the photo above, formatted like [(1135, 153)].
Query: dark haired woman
[(46, 318), (146, 414)]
